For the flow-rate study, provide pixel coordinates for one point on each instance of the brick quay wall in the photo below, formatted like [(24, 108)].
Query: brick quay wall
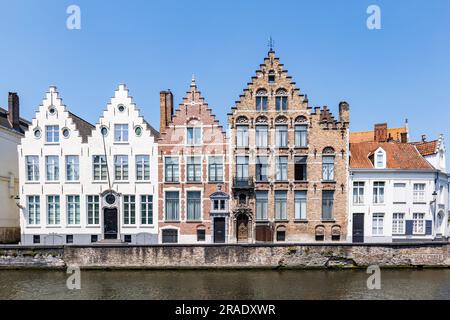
[(303, 256)]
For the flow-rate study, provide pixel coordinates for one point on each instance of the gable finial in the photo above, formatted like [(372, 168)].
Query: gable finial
[(271, 44), (193, 84)]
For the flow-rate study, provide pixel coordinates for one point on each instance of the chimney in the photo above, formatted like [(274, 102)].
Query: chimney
[(344, 115), (14, 110), (424, 138), (166, 109), (404, 137), (381, 132)]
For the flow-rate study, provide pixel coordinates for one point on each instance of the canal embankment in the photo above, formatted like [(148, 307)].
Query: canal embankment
[(252, 256)]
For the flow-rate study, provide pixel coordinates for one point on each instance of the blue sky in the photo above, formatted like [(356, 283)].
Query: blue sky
[(401, 71)]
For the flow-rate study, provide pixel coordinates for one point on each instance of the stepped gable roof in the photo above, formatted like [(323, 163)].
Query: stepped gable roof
[(401, 156)]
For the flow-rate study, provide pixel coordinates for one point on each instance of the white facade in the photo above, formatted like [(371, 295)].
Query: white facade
[(9, 183), (86, 199)]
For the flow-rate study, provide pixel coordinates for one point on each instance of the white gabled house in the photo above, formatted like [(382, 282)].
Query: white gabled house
[(398, 191), (80, 184)]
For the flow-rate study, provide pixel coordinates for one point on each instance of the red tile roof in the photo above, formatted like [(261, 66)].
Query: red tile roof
[(398, 156), (367, 136), (426, 148)]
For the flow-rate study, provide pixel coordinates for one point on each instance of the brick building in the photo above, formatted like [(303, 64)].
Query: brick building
[(194, 172), (289, 163)]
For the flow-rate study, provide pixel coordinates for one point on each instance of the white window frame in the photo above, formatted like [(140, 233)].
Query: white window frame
[(72, 168), (419, 190), (121, 132), (379, 198), (358, 192), (378, 224), (34, 210), (32, 167), (196, 136), (380, 159), (419, 225), (142, 167), (398, 223)]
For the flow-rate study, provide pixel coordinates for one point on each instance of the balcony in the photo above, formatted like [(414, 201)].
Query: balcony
[(243, 183)]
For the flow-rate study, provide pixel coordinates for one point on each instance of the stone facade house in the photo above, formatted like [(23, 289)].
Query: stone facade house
[(289, 163), (12, 129), (194, 172), (80, 183)]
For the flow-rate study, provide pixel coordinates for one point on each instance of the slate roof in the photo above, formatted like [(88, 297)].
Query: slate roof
[(4, 122), (83, 127), (427, 148), (402, 156), (154, 132), (367, 136)]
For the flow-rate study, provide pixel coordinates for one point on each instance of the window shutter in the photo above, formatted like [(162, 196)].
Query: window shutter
[(409, 227), (428, 227)]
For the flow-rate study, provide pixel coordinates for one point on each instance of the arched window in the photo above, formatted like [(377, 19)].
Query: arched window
[(281, 100), (261, 100), (380, 159), (328, 164)]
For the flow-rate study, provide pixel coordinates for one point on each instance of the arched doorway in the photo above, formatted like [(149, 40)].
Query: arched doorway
[(242, 228)]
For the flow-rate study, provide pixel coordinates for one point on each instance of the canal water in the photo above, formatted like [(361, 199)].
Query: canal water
[(320, 284)]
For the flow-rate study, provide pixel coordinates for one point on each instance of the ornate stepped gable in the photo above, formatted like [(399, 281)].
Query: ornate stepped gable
[(285, 86), (193, 110)]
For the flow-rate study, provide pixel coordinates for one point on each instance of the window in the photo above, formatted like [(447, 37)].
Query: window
[(261, 100), (281, 100), (66, 133), (194, 169), (418, 223), (300, 205), (94, 238), (399, 193), (52, 134), (201, 235), (261, 205), (281, 205), (53, 210), (37, 133), (121, 132), (69, 238), (242, 167), (138, 131), (121, 108), (121, 168), (262, 168), (271, 77), (281, 235), (261, 136), (34, 210), (127, 238), (300, 169), (93, 210), (301, 136), (327, 204), (419, 192), (142, 168), (378, 192), (380, 162), (281, 132), (377, 224), (169, 236), (398, 223), (104, 131), (129, 209), (32, 164), (242, 136), (282, 168), (147, 209), (100, 168), (194, 136), (73, 210), (328, 168), (72, 168), (219, 205), (52, 165), (358, 192), (215, 169), (172, 206), (171, 169), (193, 205), (36, 239)]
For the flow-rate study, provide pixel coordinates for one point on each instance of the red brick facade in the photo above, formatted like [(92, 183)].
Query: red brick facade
[(191, 139)]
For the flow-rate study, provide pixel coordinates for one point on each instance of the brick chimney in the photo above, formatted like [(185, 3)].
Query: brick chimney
[(166, 109), (404, 137), (380, 132), (14, 110), (344, 114)]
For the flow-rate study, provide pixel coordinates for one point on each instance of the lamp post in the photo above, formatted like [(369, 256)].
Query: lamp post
[(434, 202)]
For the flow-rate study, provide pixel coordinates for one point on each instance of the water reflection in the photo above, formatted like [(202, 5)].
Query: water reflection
[(320, 284)]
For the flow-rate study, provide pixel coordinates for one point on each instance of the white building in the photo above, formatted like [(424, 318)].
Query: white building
[(395, 193), (82, 183), (12, 128)]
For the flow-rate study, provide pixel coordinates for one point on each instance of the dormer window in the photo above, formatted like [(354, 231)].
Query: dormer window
[(380, 159)]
